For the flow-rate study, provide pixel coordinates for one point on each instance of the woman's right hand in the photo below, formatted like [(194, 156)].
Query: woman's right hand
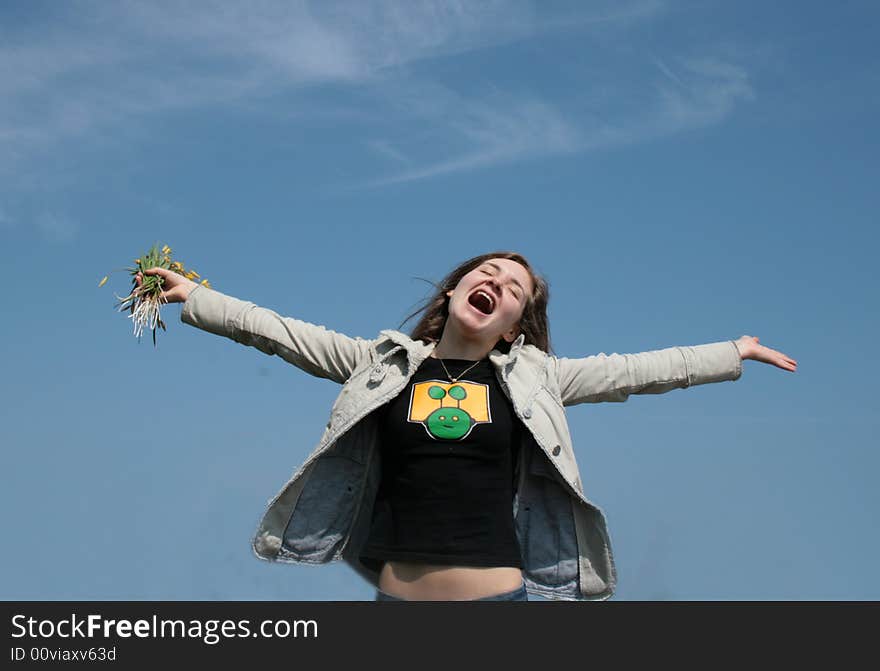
[(175, 287)]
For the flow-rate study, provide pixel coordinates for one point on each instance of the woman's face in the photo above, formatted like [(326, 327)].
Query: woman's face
[(489, 300)]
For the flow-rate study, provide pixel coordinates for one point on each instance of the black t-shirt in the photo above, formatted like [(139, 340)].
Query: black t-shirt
[(448, 455)]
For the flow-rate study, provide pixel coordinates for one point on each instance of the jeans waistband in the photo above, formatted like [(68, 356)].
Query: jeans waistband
[(518, 594)]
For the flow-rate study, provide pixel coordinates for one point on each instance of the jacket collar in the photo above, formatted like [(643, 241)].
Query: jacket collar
[(417, 351)]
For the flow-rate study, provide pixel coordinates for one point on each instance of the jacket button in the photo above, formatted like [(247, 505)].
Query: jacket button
[(556, 450), (527, 413)]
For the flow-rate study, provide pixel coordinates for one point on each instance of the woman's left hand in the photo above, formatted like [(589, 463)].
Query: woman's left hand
[(749, 348)]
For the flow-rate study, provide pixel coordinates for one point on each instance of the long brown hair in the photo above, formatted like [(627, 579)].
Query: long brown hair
[(533, 324)]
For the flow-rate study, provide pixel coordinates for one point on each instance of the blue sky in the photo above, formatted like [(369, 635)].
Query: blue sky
[(680, 172)]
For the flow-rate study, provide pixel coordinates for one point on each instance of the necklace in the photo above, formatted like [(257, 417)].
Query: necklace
[(456, 379)]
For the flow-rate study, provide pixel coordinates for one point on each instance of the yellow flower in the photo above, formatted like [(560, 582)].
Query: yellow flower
[(195, 274), (101, 284), (189, 275), (205, 283), (166, 249)]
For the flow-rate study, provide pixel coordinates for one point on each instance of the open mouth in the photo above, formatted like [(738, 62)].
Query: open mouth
[(482, 301)]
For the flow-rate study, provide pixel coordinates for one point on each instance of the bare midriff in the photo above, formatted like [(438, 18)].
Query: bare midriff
[(433, 582)]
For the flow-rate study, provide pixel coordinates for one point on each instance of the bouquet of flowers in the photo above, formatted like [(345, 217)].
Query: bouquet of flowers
[(144, 300)]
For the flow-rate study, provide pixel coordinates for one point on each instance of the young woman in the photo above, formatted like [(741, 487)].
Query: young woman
[(446, 471)]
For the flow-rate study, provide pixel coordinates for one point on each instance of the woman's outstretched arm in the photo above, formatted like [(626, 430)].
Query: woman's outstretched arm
[(614, 377), (310, 347)]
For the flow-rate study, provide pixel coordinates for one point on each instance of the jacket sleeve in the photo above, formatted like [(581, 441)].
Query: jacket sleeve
[(614, 377), (312, 348)]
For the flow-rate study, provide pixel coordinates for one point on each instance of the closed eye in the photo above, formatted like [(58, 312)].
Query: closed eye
[(514, 292)]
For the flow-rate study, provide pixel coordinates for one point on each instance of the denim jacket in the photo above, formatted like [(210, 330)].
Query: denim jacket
[(324, 511)]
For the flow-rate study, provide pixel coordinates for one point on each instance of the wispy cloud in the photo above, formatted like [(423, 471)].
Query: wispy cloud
[(497, 129), (102, 71), (705, 92), (106, 65), (669, 74), (384, 148), (503, 129)]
